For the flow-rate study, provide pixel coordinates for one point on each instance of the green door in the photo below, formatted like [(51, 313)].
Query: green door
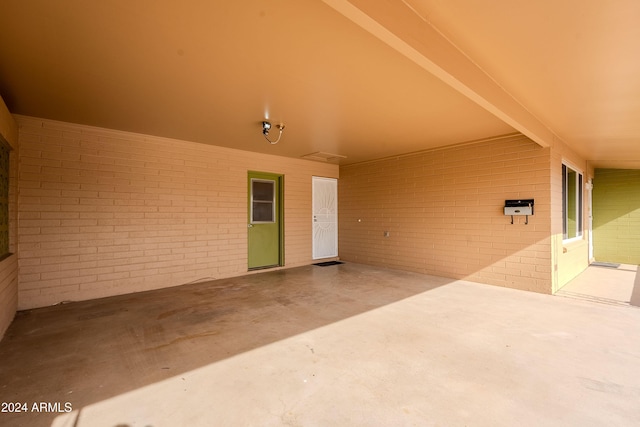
[(265, 220)]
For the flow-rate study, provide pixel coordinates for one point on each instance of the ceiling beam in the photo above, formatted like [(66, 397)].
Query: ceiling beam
[(397, 25)]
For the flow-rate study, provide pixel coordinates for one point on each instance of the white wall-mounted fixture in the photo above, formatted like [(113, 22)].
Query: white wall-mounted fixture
[(519, 207), (266, 127)]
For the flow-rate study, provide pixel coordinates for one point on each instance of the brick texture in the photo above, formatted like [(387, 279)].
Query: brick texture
[(104, 212), (616, 217), (443, 210)]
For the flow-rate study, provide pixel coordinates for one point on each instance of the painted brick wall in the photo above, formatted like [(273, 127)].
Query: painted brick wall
[(9, 265), (443, 210), (616, 217), (104, 212)]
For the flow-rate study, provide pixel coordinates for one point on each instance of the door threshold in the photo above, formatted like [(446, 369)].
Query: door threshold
[(263, 267)]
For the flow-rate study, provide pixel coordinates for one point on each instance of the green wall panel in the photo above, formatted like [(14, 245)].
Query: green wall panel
[(616, 216)]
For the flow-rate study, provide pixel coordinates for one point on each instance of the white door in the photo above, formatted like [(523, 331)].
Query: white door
[(325, 217)]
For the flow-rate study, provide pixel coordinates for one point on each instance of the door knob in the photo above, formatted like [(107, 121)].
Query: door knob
[(249, 225)]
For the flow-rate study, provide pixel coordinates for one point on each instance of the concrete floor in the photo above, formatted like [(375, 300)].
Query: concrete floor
[(345, 345), (617, 284)]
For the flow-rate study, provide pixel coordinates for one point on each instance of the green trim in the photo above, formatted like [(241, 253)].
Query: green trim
[(280, 214)]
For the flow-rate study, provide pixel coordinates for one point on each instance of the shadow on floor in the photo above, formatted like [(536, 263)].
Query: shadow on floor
[(85, 352), (335, 346), (613, 284)]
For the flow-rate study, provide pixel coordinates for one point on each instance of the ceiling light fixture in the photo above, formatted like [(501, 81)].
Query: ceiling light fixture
[(266, 126)]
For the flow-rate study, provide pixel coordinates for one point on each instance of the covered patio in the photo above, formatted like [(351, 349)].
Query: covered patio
[(345, 344)]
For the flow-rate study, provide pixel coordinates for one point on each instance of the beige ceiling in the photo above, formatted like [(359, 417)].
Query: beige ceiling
[(363, 79)]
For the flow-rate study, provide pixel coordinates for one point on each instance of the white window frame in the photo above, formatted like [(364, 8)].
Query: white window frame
[(579, 203)]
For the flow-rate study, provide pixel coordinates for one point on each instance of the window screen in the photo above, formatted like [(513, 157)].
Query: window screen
[(262, 200)]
